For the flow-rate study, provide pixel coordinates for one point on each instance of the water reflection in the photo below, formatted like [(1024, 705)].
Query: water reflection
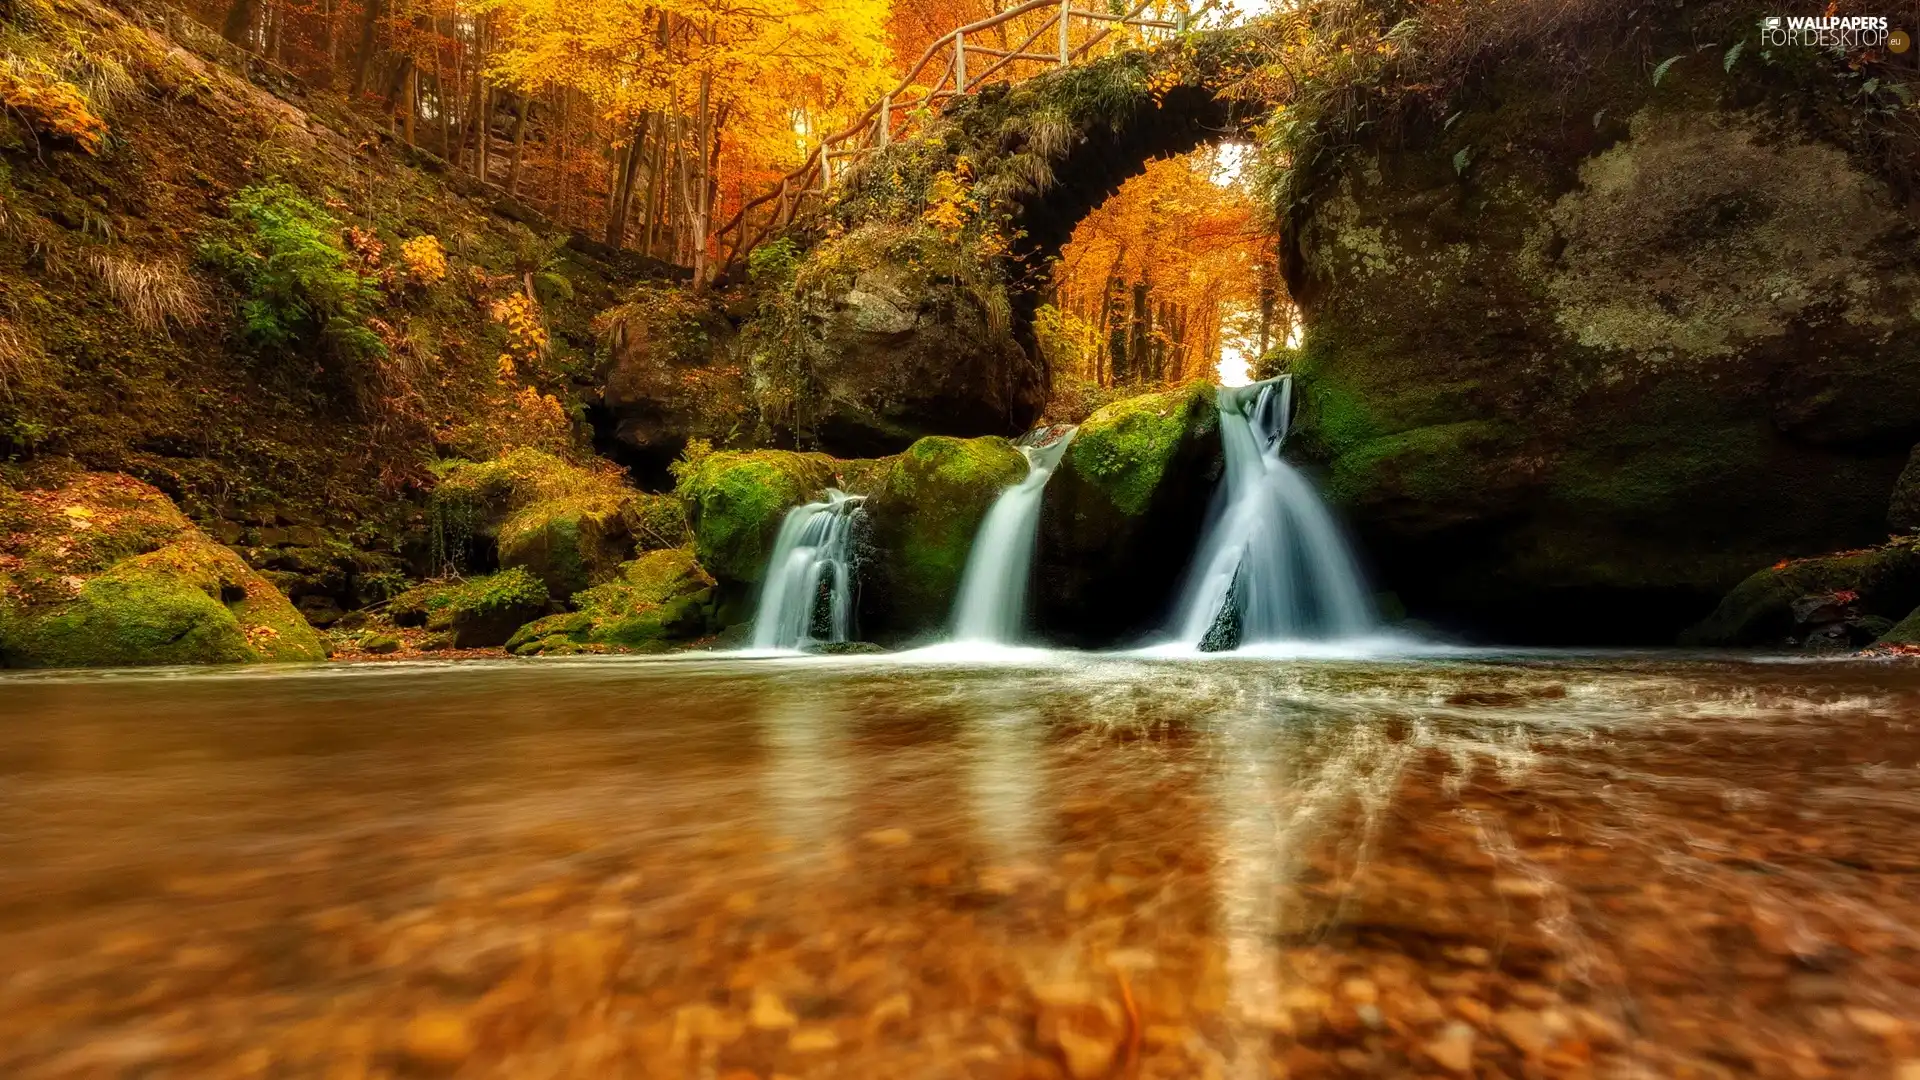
[(807, 780), (1007, 781)]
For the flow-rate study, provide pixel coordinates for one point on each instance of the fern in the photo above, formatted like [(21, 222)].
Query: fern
[(298, 288), (1665, 65), (1733, 55), (1461, 160)]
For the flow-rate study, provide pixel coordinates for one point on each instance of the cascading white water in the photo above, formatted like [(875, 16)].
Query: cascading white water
[(992, 608), (807, 597), (1272, 566)]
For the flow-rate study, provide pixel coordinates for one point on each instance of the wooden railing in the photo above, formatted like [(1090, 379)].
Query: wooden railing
[(875, 128)]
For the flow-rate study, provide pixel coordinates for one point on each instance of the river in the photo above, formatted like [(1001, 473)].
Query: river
[(892, 867)]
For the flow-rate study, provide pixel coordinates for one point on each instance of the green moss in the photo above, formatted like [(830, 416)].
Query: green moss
[(1904, 632), (566, 525), (379, 644), (1436, 466), (478, 612), (1124, 448), (104, 571), (925, 517), (656, 522), (735, 501), (1885, 582), (658, 599), (1660, 468)]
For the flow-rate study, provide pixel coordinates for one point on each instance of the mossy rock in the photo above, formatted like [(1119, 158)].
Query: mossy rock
[(102, 570), (735, 502), (656, 522), (1904, 632), (1124, 451), (657, 600), (1577, 391), (923, 519), (1123, 513), (566, 525), (479, 612), (1882, 582), (889, 333), (378, 644)]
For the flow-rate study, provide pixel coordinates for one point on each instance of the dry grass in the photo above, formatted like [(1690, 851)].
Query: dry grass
[(159, 295), (21, 362)]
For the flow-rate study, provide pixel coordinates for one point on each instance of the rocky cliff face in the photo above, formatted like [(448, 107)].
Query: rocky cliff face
[(1577, 364)]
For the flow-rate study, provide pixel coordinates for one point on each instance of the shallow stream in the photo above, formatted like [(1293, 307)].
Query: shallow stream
[(902, 867)]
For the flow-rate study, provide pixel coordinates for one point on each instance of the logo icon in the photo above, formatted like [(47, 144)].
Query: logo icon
[(1773, 22), (1899, 41)]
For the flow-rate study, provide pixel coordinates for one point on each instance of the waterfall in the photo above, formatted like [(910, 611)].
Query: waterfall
[(808, 595), (1272, 565), (992, 608)]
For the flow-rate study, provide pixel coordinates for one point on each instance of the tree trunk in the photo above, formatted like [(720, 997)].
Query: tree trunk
[(363, 58), (1141, 328), (238, 27), (519, 145), (412, 99)]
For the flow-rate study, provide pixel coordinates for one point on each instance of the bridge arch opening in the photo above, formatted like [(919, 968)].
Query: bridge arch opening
[(1173, 275)]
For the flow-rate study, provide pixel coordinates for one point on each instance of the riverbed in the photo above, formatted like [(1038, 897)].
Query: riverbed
[(1046, 865)]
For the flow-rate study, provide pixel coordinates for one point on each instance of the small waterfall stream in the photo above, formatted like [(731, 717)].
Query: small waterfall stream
[(992, 607), (1272, 565), (808, 595)]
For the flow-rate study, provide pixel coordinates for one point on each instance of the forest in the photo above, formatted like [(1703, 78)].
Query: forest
[(959, 539)]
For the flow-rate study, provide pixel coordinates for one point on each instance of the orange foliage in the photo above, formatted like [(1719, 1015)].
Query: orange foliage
[(51, 105), (1187, 230)]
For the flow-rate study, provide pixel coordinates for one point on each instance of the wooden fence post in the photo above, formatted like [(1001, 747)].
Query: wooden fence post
[(826, 167), (886, 119), (960, 62), (1066, 24)]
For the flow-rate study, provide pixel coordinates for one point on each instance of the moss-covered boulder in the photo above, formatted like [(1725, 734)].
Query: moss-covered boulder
[(658, 600), (890, 333), (735, 501), (1840, 600), (1574, 381), (566, 525), (99, 569), (922, 520), (1123, 513), (477, 613)]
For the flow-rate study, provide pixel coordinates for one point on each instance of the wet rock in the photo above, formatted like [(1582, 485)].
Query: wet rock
[(924, 515), (1719, 422), (1122, 515), (653, 602), (560, 522), (671, 377), (476, 613), (1826, 598), (735, 503)]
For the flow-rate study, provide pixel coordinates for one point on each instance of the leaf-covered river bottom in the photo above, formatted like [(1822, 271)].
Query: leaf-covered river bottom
[(1066, 866)]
